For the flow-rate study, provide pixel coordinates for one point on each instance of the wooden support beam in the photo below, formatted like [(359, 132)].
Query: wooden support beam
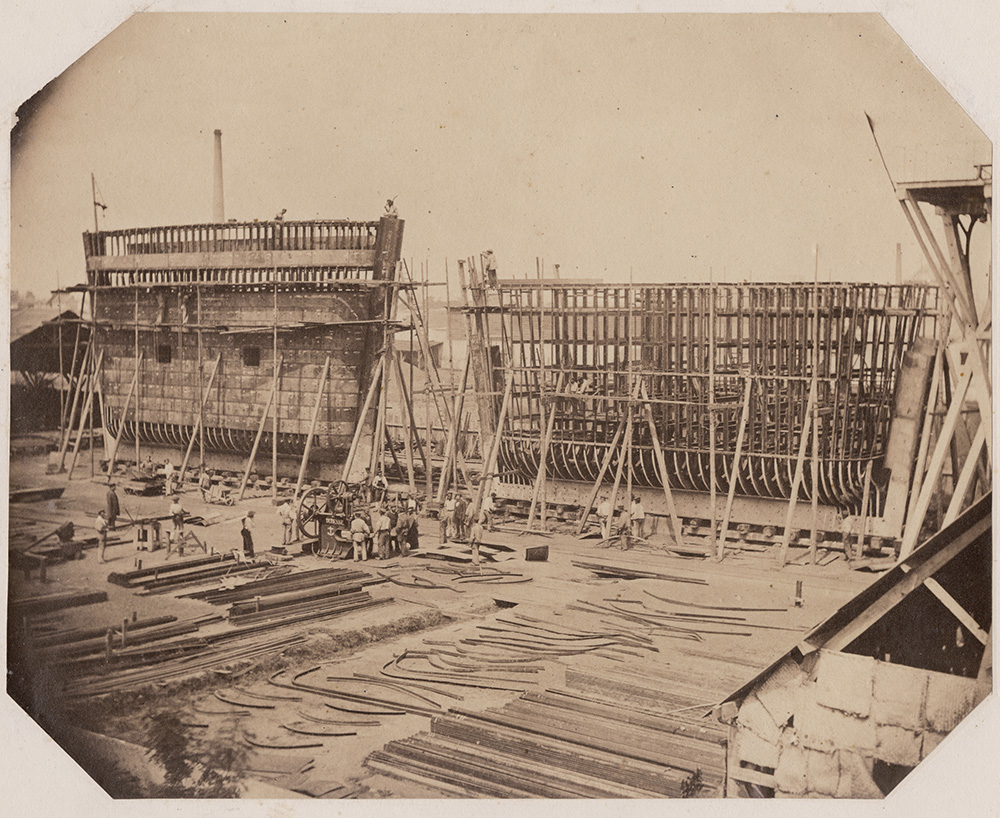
[(605, 462), (661, 464), (941, 449), (957, 610), (87, 406), (260, 429), (365, 407), (735, 470), (121, 423), (81, 379), (865, 503), (411, 436), (199, 423), (926, 429), (490, 463), (797, 479), (622, 455), (453, 430), (312, 429), (546, 442), (893, 596), (964, 480)]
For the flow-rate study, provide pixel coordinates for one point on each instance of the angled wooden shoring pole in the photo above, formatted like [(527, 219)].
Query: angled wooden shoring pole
[(605, 463), (63, 421), (814, 460), (87, 406), (81, 380), (407, 422), (414, 436), (623, 455), (967, 474), (365, 407), (546, 442), (915, 522), (926, 428), (121, 423), (864, 511), (453, 430), (490, 463), (138, 390), (195, 434), (661, 464), (888, 600), (277, 388), (260, 428), (104, 423), (797, 479), (735, 470), (320, 393)]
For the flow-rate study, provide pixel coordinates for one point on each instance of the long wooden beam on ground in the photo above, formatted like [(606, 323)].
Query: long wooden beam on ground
[(260, 429), (312, 429)]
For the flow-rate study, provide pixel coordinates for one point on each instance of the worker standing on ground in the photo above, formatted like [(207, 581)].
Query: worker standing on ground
[(287, 518), (168, 475), (461, 509), (489, 510), (112, 507), (205, 484), (638, 515), (359, 533), (246, 531), (603, 512), (447, 516), (624, 526), (102, 535), (177, 513), (476, 537), (382, 527), (403, 523)]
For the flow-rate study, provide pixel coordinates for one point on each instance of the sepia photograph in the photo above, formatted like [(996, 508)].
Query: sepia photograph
[(500, 406)]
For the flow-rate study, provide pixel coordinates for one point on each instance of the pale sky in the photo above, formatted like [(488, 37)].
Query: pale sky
[(674, 146)]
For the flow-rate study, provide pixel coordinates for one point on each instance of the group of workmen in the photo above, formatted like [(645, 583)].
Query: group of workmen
[(631, 520), (390, 529)]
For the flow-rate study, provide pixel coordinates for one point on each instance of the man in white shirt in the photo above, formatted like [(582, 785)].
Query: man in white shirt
[(382, 526), (102, 535), (603, 512), (638, 517), (287, 518), (359, 533)]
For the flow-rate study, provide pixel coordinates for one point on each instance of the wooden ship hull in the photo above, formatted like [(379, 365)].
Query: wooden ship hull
[(704, 360), (228, 325)]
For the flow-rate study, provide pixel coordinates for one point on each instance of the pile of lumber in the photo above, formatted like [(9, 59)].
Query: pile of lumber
[(171, 576), (620, 572), (46, 603), (564, 744)]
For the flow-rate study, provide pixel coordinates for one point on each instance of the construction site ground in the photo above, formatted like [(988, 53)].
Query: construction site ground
[(418, 619)]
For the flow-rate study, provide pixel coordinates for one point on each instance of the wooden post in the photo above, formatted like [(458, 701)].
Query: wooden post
[(712, 418), (797, 479), (925, 431), (661, 463), (88, 404), (735, 470), (490, 463), (605, 462), (967, 474), (546, 441), (366, 406), (623, 454), (312, 429), (915, 522), (200, 421), (260, 429), (453, 430), (814, 385), (121, 424), (138, 389), (277, 382), (82, 378), (201, 380), (864, 510), (412, 437)]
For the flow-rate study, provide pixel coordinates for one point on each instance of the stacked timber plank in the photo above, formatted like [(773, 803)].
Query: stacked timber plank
[(171, 576), (559, 745)]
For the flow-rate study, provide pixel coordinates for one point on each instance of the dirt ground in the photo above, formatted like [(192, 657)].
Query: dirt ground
[(364, 641)]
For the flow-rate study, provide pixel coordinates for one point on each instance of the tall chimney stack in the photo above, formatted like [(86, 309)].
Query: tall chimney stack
[(218, 207)]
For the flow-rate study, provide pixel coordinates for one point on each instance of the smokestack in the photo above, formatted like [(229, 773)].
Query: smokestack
[(218, 207)]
